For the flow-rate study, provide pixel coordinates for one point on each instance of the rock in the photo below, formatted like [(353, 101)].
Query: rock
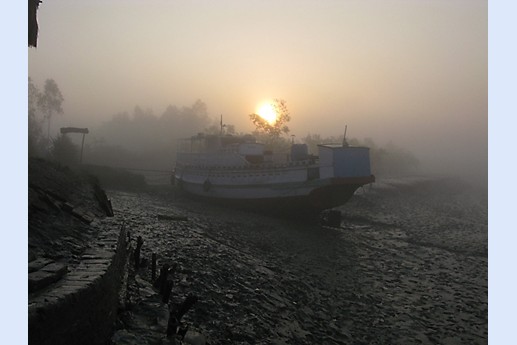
[(175, 217), (194, 338)]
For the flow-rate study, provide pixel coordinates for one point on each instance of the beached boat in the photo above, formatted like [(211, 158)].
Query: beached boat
[(239, 170)]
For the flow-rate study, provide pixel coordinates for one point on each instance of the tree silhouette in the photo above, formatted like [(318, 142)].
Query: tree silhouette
[(50, 102), (277, 128), (34, 125)]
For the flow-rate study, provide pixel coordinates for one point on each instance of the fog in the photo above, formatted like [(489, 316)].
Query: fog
[(410, 73)]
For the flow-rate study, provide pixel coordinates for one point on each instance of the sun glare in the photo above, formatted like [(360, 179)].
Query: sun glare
[(267, 112)]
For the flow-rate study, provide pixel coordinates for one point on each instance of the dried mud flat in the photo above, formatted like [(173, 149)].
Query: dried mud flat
[(408, 265)]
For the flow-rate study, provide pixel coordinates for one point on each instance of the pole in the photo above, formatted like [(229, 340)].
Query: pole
[(344, 137), (82, 146)]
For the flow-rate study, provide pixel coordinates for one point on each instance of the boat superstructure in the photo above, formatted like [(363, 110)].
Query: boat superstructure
[(239, 170)]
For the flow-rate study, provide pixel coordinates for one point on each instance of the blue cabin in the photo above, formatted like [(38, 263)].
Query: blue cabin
[(344, 161)]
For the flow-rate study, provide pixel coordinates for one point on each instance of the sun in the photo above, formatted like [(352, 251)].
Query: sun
[(267, 112)]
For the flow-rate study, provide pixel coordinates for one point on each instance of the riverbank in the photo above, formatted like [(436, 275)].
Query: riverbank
[(77, 257)]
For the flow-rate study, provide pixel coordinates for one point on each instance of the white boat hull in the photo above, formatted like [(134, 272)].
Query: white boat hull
[(316, 194)]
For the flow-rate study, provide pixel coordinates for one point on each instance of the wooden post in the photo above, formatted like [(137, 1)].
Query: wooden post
[(186, 305), (82, 146), (163, 276), (139, 244), (175, 315), (167, 291), (163, 282), (172, 324)]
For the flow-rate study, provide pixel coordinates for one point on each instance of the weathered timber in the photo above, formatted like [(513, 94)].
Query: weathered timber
[(103, 200), (186, 305), (139, 243), (163, 276), (65, 130), (177, 312), (167, 291)]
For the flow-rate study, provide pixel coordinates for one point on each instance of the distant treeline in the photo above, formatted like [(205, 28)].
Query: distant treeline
[(143, 140)]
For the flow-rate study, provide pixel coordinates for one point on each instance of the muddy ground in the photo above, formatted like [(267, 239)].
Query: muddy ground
[(408, 265)]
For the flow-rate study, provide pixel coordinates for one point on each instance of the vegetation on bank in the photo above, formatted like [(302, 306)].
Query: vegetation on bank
[(116, 178)]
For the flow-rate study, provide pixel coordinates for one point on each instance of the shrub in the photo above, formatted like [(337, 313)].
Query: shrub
[(64, 150)]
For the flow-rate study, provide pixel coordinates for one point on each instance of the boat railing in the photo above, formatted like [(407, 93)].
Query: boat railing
[(210, 159), (246, 166)]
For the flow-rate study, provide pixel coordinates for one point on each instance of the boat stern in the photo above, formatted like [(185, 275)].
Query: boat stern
[(344, 161)]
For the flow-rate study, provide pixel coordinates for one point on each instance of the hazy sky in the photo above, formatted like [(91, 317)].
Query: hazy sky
[(411, 72)]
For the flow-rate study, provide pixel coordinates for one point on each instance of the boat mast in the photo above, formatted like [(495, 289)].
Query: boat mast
[(345, 143), (221, 124)]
